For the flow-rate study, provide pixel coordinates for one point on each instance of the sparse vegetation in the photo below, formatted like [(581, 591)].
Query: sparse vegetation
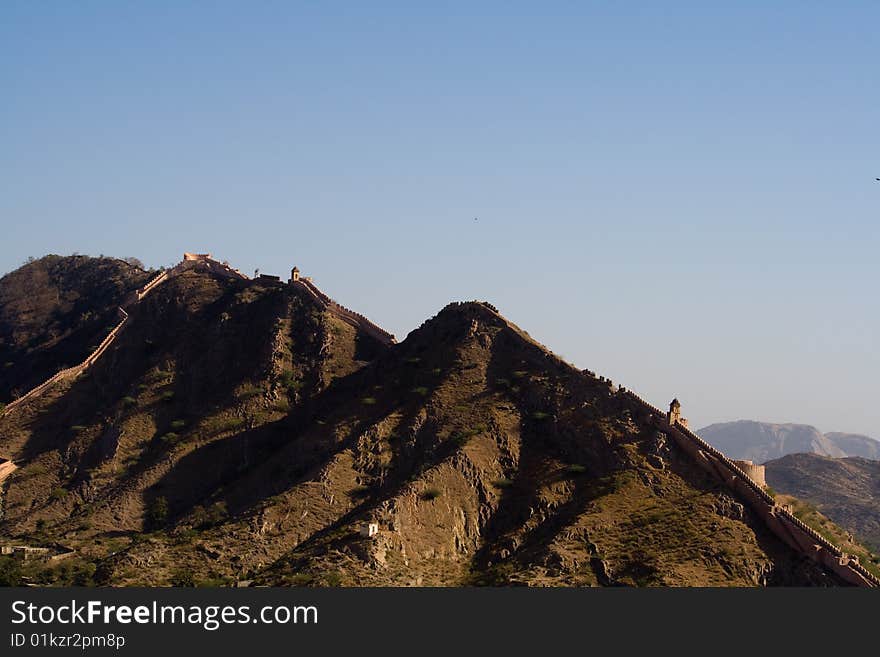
[(157, 512), (215, 514), (183, 579), (290, 382), (302, 579), (57, 494), (368, 430), (10, 571), (249, 391), (332, 578), (462, 437), (224, 424)]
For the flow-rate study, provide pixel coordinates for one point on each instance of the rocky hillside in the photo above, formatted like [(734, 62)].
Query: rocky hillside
[(762, 441), (240, 430), (52, 313), (846, 490)]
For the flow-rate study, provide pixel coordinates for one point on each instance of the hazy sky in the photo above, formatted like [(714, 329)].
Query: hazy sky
[(677, 195)]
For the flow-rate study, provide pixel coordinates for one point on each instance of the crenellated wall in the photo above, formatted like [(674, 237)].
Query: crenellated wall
[(754, 471), (201, 261), (349, 316), (76, 370), (779, 520), (784, 524)]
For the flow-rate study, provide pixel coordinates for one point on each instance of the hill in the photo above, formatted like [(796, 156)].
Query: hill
[(854, 444), (762, 441), (847, 490), (255, 430), (52, 313)]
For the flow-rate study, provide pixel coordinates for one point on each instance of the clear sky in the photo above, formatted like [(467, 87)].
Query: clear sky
[(677, 195)]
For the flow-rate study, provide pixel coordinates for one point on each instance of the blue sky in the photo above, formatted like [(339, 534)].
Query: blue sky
[(678, 195)]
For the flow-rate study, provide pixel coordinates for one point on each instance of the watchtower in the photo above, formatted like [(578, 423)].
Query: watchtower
[(674, 416), (294, 275)]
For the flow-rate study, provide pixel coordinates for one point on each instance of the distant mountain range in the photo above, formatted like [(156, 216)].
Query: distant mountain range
[(763, 441)]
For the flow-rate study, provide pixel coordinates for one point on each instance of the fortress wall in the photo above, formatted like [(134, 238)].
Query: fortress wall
[(63, 374), (363, 323), (349, 316), (315, 291), (312, 292), (6, 469), (106, 342), (76, 370), (157, 280), (204, 260), (755, 472), (781, 522), (744, 478), (70, 372)]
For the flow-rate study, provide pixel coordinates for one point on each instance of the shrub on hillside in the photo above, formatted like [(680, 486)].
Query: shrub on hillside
[(10, 572), (183, 579), (157, 512)]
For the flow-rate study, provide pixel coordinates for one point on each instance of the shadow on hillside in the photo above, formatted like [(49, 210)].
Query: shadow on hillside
[(564, 421), (178, 335), (244, 470), (308, 441)]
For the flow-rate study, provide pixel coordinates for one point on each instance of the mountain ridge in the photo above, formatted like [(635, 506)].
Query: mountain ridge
[(763, 441), (482, 456)]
